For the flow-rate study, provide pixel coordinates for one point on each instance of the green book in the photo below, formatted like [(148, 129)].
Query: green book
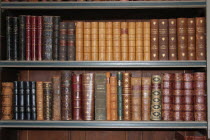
[(119, 96)]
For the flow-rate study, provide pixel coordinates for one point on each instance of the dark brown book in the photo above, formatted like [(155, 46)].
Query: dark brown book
[(39, 100), (47, 90), (63, 41), (56, 28), (39, 37), (113, 98), (172, 40), (154, 39), (28, 38), (191, 38), (9, 37), (22, 37), (56, 98), (71, 50)]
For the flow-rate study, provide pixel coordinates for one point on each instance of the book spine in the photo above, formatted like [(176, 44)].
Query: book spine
[(113, 98), (191, 38), (79, 41), (27, 101), (132, 41), (22, 37), (56, 29), (33, 37), (15, 101), (146, 29), (39, 100), (172, 39), (109, 43), (87, 41), (154, 39), (108, 97), (33, 100), (21, 91), (47, 90), (119, 96), (56, 98), (28, 38), (139, 41), (63, 41), (116, 41), (39, 37), (9, 29), (94, 41), (124, 41), (100, 96), (15, 38), (71, 41), (102, 41)]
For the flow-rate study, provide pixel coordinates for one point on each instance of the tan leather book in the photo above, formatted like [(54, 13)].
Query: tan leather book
[(136, 98), (191, 38), (94, 41), (108, 96), (39, 100), (131, 41), (56, 91), (146, 41), (47, 89), (124, 40), (109, 43), (87, 41), (113, 98), (116, 41), (139, 41), (79, 41), (154, 40), (102, 41)]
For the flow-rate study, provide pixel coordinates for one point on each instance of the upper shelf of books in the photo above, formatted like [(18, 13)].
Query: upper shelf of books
[(104, 5)]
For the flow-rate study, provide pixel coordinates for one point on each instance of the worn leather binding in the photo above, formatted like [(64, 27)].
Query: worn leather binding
[(40, 100), (79, 41), (56, 98), (88, 96), (71, 41), (9, 37), (116, 41), (77, 96), (56, 28), (39, 37), (102, 41), (63, 41), (154, 39), (200, 38), (139, 41), (132, 41), (27, 101), (108, 96), (146, 98), (7, 97), (119, 95), (113, 98), (136, 98), (126, 83), (47, 90), (87, 41), (33, 100), (28, 38), (100, 96), (146, 29), (15, 34), (191, 38), (47, 37), (33, 37), (15, 101), (94, 41), (21, 99), (66, 96), (124, 41), (22, 37), (109, 43), (172, 40)]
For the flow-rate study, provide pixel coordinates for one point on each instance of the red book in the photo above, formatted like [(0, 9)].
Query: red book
[(28, 38), (33, 37), (39, 38)]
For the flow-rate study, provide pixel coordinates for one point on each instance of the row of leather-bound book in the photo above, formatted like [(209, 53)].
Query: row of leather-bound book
[(87, 0), (103, 96), (36, 38)]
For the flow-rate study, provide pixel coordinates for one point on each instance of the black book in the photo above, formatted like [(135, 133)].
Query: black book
[(27, 101), (15, 101), (9, 37), (15, 38), (56, 27), (22, 30), (21, 98), (33, 99)]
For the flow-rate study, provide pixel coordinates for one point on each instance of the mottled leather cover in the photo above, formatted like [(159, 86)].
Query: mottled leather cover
[(71, 50), (9, 37), (63, 41), (39, 37), (40, 100), (56, 101), (56, 28), (28, 38), (47, 90), (113, 98), (33, 38)]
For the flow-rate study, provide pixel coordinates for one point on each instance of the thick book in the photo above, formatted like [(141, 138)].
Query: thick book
[(113, 98), (63, 42), (131, 41), (191, 38), (56, 98), (27, 100), (119, 96), (116, 41), (33, 100), (9, 37), (40, 100), (22, 37), (39, 37), (124, 41), (71, 48), (56, 28), (21, 100), (47, 91), (109, 43), (108, 96), (33, 38), (154, 39), (172, 39), (102, 41), (94, 41), (139, 41), (79, 41), (87, 41), (146, 29), (15, 101), (28, 38)]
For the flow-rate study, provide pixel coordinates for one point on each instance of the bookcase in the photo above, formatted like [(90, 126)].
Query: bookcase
[(35, 70)]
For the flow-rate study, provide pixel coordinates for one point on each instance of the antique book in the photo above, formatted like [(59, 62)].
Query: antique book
[(182, 38), (132, 41), (146, 98), (33, 100), (156, 98), (119, 96), (87, 41), (139, 41), (63, 41), (28, 110), (15, 101), (124, 41), (28, 38), (113, 98), (56, 28), (56, 98), (154, 39), (15, 34), (39, 100), (108, 96), (100, 96), (21, 99), (47, 91), (33, 37), (77, 97), (9, 35), (71, 41), (88, 96), (172, 39), (109, 43), (102, 41), (79, 41), (66, 96), (47, 38), (136, 98), (22, 37), (116, 41), (126, 84), (94, 41), (191, 38), (6, 101), (163, 39), (146, 28), (200, 38), (39, 37)]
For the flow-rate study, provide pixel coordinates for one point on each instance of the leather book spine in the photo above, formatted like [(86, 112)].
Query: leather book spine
[(47, 90), (136, 98), (126, 83), (39, 37), (71, 41), (33, 37), (200, 96), (27, 101), (182, 38), (88, 96), (167, 97), (15, 38), (109, 43), (113, 98), (79, 41), (47, 37), (22, 37), (56, 29), (156, 98), (146, 29), (100, 96), (200, 38), (87, 41), (139, 41), (15, 101), (132, 41), (33, 100), (7, 101), (77, 96), (163, 39), (154, 39), (146, 98), (124, 42), (21, 99), (66, 96), (63, 41), (9, 37), (40, 100), (172, 40), (116, 41), (191, 38), (94, 41), (108, 97), (119, 96), (28, 38), (56, 98), (102, 41)]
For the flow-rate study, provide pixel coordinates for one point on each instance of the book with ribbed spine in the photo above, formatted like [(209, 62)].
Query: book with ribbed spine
[(116, 41), (191, 38), (94, 41), (21, 100), (33, 100), (154, 39), (113, 98), (163, 39), (102, 41), (124, 41), (79, 41), (56, 26), (87, 41), (146, 40), (40, 100), (47, 91), (139, 41), (132, 41), (15, 101), (146, 98), (63, 41), (172, 34), (71, 41), (119, 95), (33, 38), (22, 37), (56, 98), (109, 43)]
